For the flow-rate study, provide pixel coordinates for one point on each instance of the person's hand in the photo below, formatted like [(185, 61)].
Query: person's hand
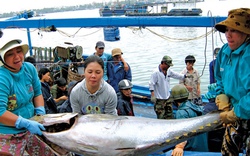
[(189, 88), (228, 117), (179, 149), (222, 102), (198, 92), (177, 152), (32, 126), (126, 67), (153, 99), (63, 97), (40, 110)]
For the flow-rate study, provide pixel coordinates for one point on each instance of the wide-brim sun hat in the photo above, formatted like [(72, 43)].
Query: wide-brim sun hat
[(238, 19), (13, 44)]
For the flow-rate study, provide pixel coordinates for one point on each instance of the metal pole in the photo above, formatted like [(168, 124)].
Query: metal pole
[(29, 41)]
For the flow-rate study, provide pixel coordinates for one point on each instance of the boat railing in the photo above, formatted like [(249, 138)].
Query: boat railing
[(43, 54)]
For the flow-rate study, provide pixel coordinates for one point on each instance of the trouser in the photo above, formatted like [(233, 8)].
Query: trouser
[(16, 144), (236, 139), (163, 108)]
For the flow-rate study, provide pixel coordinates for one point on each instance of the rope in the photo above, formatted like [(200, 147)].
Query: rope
[(173, 39)]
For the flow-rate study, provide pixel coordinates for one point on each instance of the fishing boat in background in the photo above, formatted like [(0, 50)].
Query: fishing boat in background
[(123, 9), (141, 8)]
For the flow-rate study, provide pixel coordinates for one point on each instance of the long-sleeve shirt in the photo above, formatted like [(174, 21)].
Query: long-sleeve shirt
[(160, 84), (103, 101), (17, 92), (232, 77), (116, 73)]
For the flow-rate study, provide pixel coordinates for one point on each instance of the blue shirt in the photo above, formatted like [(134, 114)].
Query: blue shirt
[(105, 57), (211, 71), (232, 77), (17, 92), (116, 73), (189, 110)]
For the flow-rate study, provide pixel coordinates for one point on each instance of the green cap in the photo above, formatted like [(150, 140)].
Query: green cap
[(167, 60)]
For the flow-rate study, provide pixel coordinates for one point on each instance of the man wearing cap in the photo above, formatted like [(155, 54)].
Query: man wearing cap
[(20, 99), (159, 87), (105, 57), (232, 78), (116, 71)]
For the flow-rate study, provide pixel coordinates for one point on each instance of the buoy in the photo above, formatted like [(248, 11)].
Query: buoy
[(111, 33)]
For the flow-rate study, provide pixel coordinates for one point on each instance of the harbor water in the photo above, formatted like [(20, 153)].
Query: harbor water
[(143, 48)]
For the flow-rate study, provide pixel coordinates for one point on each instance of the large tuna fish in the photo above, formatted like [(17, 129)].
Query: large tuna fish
[(107, 135)]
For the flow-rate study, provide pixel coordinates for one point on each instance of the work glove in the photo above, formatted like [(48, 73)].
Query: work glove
[(222, 102), (153, 99), (228, 117), (179, 149), (40, 110), (32, 126)]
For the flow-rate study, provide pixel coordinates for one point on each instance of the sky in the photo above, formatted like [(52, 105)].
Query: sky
[(20, 5)]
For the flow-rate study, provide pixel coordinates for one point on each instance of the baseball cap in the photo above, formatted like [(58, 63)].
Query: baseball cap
[(167, 60), (100, 44), (116, 51)]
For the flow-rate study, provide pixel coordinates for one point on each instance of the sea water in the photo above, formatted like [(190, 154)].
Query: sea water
[(142, 49)]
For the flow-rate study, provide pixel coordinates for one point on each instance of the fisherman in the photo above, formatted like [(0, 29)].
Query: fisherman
[(106, 57), (116, 71), (232, 78), (160, 88), (124, 102), (187, 109), (20, 99)]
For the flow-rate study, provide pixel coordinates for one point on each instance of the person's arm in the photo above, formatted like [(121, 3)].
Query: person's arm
[(198, 89), (217, 74), (128, 74), (152, 82), (38, 101), (182, 81), (8, 118), (179, 149), (126, 67), (74, 101), (211, 71), (61, 98), (111, 103), (39, 105)]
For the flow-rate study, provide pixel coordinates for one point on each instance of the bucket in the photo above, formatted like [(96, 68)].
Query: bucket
[(111, 33)]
